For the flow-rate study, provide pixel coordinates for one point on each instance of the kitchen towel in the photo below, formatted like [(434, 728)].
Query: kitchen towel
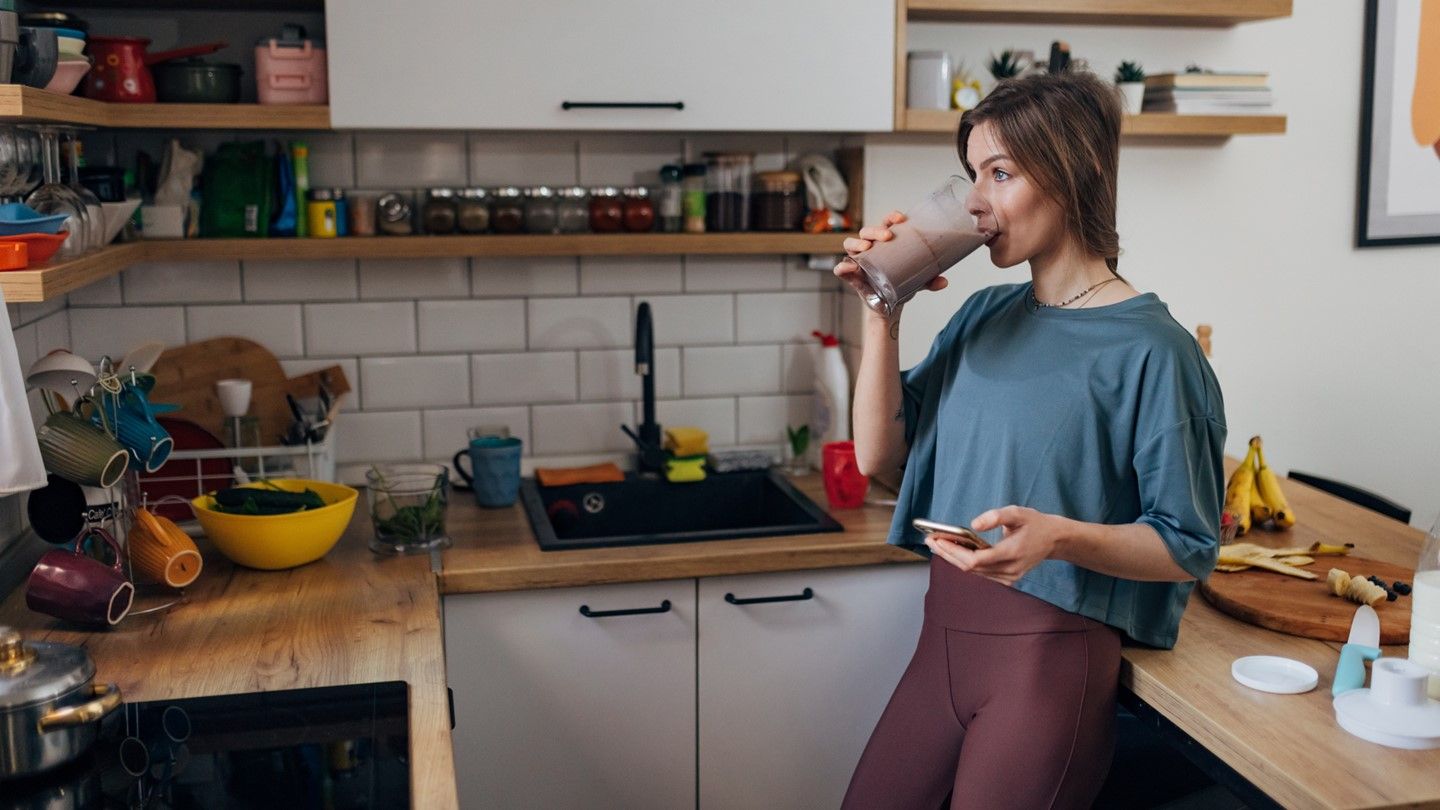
[(20, 465)]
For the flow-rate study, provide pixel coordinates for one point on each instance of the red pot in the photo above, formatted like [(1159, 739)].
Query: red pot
[(121, 69)]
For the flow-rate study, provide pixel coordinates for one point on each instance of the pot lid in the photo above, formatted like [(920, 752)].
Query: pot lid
[(34, 672)]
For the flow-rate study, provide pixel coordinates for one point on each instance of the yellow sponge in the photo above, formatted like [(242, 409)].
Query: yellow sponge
[(681, 470), (687, 441)]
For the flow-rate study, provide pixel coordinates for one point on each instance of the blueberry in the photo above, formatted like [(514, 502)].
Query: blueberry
[(1402, 588)]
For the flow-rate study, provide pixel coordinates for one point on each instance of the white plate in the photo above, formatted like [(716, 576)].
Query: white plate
[(1271, 673)]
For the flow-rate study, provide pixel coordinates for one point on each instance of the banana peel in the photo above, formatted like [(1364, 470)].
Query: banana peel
[(1288, 561)]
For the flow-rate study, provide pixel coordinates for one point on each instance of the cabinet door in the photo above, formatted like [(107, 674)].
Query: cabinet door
[(556, 710), (790, 690), (811, 65)]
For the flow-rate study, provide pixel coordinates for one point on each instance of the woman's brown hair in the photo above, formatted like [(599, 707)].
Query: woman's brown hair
[(1064, 132)]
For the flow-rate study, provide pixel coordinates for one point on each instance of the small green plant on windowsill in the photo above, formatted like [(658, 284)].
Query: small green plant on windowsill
[(799, 443)]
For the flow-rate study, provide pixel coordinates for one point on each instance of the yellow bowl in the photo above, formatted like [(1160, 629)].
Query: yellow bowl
[(273, 542)]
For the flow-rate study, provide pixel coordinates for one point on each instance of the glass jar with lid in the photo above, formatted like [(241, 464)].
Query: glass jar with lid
[(572, 209), (779, 203), (638, 210), (607, 212), (472, 211), (507, 213), (394, 214), (438, 214), (540, 213), (727, 191)]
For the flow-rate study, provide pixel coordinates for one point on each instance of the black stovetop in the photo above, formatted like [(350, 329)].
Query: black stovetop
[(324, 748)]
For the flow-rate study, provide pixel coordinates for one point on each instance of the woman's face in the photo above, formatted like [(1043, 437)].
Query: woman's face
[(1029, 223)]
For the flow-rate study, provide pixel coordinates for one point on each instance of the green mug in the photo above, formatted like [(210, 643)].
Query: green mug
[(75, 448)]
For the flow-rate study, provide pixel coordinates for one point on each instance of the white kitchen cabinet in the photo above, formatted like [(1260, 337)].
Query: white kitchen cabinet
[(790, 690), (809, 65), (557, 710)]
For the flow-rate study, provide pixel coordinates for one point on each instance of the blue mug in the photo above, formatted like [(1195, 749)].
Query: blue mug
[(494, 470), (137, 429)]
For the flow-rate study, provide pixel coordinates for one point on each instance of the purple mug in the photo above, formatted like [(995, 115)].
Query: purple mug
[(69, 585)]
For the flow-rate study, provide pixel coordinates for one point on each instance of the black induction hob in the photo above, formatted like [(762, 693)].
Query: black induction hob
[(331, 747)]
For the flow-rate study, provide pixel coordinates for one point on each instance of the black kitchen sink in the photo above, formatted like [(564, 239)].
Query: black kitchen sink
[(643, 510)]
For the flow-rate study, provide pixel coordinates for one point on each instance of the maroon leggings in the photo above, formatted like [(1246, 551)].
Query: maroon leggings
[(1008, 702)]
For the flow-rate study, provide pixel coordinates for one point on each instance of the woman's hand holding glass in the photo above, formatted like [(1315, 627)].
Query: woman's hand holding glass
[(849, 272)]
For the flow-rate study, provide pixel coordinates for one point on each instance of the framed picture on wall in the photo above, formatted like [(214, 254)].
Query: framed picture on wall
[(1400, 124)]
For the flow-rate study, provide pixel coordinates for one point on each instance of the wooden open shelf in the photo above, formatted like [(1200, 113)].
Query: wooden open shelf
[(1197, 13), (43, 283), (20, 104), (1147, 125)]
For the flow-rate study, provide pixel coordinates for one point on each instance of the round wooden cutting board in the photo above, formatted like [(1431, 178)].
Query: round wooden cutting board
[(1303, 607)]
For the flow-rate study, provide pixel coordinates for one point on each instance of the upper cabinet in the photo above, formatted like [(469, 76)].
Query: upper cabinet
[(809, 65)]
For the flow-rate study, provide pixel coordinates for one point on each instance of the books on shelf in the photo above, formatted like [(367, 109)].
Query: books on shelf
[(1208, 94)]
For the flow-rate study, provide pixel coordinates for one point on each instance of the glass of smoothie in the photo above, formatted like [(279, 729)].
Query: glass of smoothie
[(944, 228)]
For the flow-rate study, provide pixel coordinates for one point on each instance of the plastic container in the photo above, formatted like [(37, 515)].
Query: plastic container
[(727, 191), (779, 203), (321, 214), (692, 197), (1425, 611), (407, 506), (670, 202), (830, 408), (291, 69)]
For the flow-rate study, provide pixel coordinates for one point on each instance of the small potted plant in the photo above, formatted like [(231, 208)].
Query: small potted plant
[(1005, 66), (1130, 78), (799, 443)]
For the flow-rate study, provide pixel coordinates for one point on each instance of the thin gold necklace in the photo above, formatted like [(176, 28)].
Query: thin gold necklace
[(1041, 304)]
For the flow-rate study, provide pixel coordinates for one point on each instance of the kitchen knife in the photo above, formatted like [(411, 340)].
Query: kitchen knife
[(1363, 645)]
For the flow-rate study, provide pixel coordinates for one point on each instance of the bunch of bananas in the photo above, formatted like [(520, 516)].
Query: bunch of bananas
[(1253, 496)]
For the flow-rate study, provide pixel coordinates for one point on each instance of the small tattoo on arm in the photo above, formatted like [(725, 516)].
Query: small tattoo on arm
[(900, 415)]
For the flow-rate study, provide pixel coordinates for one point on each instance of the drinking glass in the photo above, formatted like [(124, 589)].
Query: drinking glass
[(54, 197), (944, 228), (95, 213)]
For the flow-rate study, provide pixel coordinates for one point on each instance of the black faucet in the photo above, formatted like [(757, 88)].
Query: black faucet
[(651, 455)]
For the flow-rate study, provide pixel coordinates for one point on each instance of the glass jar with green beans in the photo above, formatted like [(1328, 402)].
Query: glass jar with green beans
[(407, 507)]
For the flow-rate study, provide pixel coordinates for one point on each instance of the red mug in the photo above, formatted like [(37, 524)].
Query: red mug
[(69, 585), (845, 485)]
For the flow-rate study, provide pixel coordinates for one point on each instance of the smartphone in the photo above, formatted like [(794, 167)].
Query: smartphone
[(958, 534)]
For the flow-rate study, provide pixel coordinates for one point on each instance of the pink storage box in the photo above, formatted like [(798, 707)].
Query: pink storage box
[(291, 73)]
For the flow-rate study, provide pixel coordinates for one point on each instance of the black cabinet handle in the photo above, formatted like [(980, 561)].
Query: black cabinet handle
[(622, 105), (600, 614), (760, 600), (450, 699)]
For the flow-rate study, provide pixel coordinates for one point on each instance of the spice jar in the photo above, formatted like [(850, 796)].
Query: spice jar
[(727, 191), (779, 204), (540, 213), (607, 212), (438, 214), (671, 194), (472, 211), (507, 214), (395, 213), (362, 215), (639, 212), (320, 214), (693, 197), (572, 209)]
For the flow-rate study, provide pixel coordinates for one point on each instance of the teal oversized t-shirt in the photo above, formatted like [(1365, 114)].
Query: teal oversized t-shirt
[(1105, 415)]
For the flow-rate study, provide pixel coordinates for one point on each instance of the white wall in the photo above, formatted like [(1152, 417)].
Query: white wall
[(1326, 350)]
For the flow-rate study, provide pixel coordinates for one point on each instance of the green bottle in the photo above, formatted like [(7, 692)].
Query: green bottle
[(300, 157)]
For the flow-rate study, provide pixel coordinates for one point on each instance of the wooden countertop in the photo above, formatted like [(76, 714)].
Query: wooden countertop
[(495, 551), (349, 618)]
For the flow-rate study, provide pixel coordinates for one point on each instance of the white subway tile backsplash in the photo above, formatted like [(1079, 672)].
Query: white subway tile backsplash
[(714, 416), (382, 436), (102, 293), (532, 159), (332, 159), (798, 367), (588, 428), (448, 430), (414, 278), (689, 320), (410, 160), (610, 374), (370, 328), (30, 313), (783, 317), (52, 332), (763, 420), (300, 280), (348, 402), (852, 320), (525, 276), (472, 325), (414, 382), (277, 327), (519, 379), (733, 273), (713, 370), (183, 283), (117, 330), (601, 275), (579, 323), (27, 348), (627, 159)]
